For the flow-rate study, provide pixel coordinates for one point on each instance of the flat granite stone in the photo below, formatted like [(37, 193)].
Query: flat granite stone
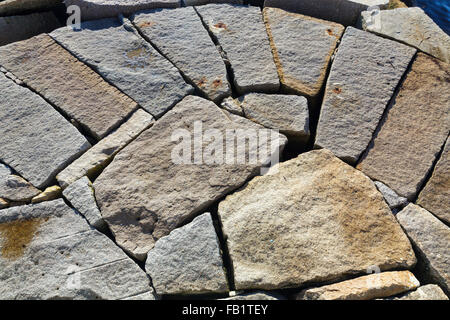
[(171, 31), (124, 59), (36, 141), (81, 196), (435, 197), (281, 226), (393, 200), (411, 26), (378, 285), (243, 41), (302, 47), (10, 7), (98, 9), (92, 162), (188, 260), (158, 181), (287, 113), (16, 28), (47, 251), (427, 292), (14, 187), (414, 131), (363, 78), (346, 12), (50, 70), (431, 239)]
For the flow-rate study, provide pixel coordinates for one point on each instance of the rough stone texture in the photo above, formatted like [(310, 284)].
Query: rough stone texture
[(16, 28), (255, 296), (98, 9), (346, 12), (142, 296), (430, 238), (14, 187), (36, 141), (232, 105), (243, 40), (45, 248), (50, 193), (287, 113), (99, 156), (378, 285), (302, 47), (281, 226), (414, 130), (411, 26), (427, 292), (146, 192), (10, 7), (202, 2), (188, 260), (172, 31), (71, 86), (81, 195), (435, 197), (392, 198), (363, 78), (128, 62)]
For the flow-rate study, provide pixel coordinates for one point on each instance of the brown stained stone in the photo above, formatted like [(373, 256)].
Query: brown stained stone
[(414, 130), (71, 86)]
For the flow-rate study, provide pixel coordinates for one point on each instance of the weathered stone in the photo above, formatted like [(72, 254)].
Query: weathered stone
[(411, 26), (346, 12), (81, 195), (435, 197), (153, 186), (255, 296), (10, 7), (15, 188), (98, 9), (128, 62), (99, 156), (232, 105), (172, 31), (430, 238), (4, 203), (427, 292), (71, 86), (202, 2), (378, 285), (392, 198), (36, 141), (51, 193), (281, 226), (188, 260), (243, 41), (363, 78), (143, 296), (414, 130), (302, 47), (16, 28), (47, 251)]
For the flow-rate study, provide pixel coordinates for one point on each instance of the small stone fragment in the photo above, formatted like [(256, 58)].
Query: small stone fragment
[(51, 193), (427, 292), (232, 105), (393, 200), (4, 203), (14, 187), (188, 260)]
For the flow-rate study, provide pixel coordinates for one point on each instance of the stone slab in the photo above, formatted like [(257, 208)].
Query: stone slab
[(14, 187), (427, 292)]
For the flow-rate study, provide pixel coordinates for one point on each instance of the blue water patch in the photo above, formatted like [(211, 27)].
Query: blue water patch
[(438, 10)]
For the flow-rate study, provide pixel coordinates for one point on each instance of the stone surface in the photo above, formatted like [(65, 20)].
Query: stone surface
[(287, 113), (430, 238), (16, 28), (188, 260), (302, 47), (232, 105), (243, 41), (4, 203), (392, 198), (378, 285), (143, 296), (81, 196), (259, 295), (281, 226), (346, 12), (414, 130), (153, 185), (98, 9), (14, 187), (435, 197), (10, 7), (363, 78), (36, 141), (172, 31), (99, 156), (203, 2), (427, 292), (50, 193), (411, 26), (48, 251), (70, 85), (128, 62)]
